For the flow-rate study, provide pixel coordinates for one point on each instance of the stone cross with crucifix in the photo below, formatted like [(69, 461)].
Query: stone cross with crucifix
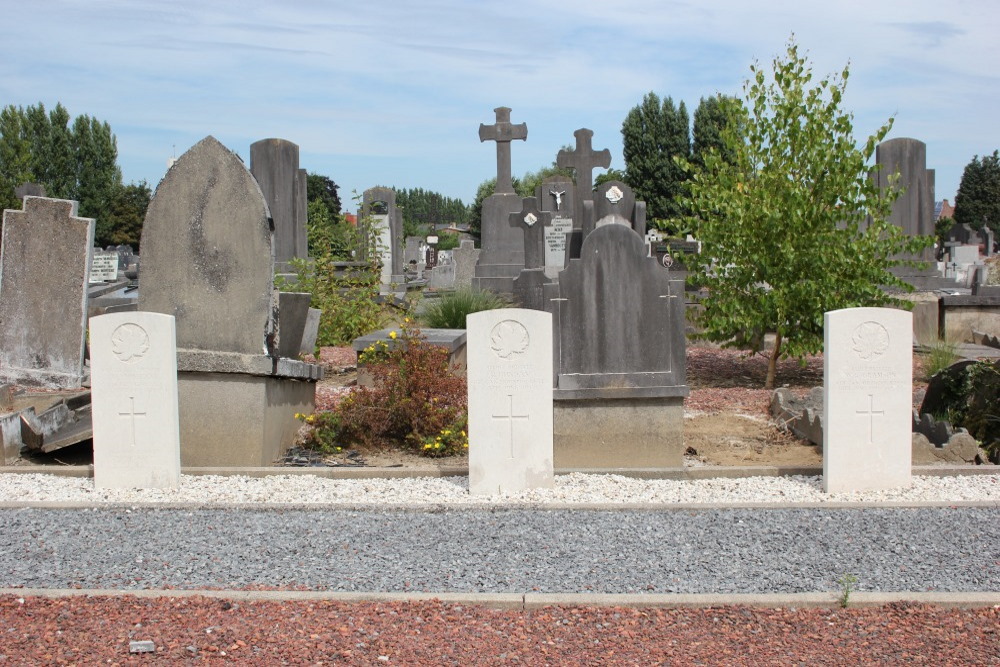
[(533, 223), (583, 160), (503, 132)]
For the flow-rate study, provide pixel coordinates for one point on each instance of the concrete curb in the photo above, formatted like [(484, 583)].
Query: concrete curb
[(695, 473), (525, 601), (494, 506)]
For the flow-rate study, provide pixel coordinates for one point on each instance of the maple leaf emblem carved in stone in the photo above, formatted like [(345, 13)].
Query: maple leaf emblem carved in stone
[(129, 342), (508, 338), (870, 340)]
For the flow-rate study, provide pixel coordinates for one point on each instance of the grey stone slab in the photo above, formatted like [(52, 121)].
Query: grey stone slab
[(44, 263), (529, 289), (274, 164), (452, 339), (293, 309), (532, 223), (615, 203), (104, 266), (620, 322), (913, 211), (311, 331), (207, 259), (466, 255), (441, 276)]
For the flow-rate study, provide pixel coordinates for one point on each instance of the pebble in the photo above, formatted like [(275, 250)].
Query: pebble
[(574, 488)]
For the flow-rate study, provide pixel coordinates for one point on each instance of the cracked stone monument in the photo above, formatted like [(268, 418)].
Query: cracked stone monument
[(274, 163), (502, 256), (510, 401), (208, 260), (44, 266), (867, 399)]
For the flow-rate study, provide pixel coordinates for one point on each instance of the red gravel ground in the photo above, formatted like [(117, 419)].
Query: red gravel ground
[(88, 631)]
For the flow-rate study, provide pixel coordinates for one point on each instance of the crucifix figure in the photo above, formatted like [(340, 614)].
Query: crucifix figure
[(132, 414), (871, 412), (509, 418), (533, 223), (558, 196), (582, 161), (503, 132)]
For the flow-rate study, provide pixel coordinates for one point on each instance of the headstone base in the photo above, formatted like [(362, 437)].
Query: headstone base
[(619, 433), (239, 420)]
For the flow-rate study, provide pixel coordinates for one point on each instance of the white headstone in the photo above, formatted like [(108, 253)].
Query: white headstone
[(133, 359), (867, 399), (510, 400), (104, 266), (384, 241)]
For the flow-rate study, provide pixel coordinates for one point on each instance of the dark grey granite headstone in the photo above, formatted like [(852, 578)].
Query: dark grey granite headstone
[(528, 284), (293, 310), (615, 199), (620, 322), (206, 254), (913, 211), (502, 256), (275, 165), (44, 262)]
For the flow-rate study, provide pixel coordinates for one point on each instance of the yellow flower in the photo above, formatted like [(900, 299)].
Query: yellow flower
[(392, 335), (463, 434), (406, 319), (310, 419), (427, 446), (299, 415)]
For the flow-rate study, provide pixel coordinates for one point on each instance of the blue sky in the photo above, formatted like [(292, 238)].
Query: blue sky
[(392, 92)]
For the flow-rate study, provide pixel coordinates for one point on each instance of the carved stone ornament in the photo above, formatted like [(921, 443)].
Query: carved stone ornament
[(530, 219), (614, 194)]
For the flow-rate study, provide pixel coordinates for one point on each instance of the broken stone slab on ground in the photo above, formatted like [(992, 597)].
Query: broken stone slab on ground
[(42, 422)]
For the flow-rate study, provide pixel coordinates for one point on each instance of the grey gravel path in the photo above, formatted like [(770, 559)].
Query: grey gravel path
[(505, 550)]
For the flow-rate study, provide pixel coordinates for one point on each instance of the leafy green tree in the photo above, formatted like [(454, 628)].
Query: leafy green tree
[(97, 171), (710, 118), (121, 223), (653, 134), (322, 189), (793, 226), (15, 155), (611, 175), (61, 179), (978, 198)]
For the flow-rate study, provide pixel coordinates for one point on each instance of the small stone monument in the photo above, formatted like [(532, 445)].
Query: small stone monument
[(137, 443), (44, 264), (510, 400), (274, 164), (867, 399)]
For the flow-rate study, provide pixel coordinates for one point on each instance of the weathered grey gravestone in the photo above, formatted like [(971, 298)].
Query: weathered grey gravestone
[(44, 263), (465, 255), (502, 256), (207, 260), (510, 401), (529, 284), (619, 356), (913, 211), (274, 163), (557, 194), (378, 208), (134, 401), (867, 400)]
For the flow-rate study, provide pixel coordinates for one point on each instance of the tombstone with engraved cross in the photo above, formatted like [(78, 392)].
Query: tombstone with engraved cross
[(133, 358), (867, 399), (510, 400)]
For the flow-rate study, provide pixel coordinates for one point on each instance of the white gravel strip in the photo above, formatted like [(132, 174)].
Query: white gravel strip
[(574, 488)]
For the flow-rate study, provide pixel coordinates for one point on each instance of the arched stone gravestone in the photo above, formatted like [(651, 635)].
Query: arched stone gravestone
[(207, 259)]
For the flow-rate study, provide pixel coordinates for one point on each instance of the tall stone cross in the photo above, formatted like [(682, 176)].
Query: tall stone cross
[(583, 160), (503, 132), (533, 222)]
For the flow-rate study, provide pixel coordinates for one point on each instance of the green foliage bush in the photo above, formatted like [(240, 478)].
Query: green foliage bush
[(415, 403), (449, 311), (972, 400), (348, 298)]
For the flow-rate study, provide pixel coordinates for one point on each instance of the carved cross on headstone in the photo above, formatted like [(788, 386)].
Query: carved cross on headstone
[(871, 413), (509, 418), (131, 413), (533, 223), (583, 160), (503, 132)]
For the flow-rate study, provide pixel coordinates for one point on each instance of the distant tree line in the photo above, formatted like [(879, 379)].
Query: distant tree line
[(978, 199), (423, 210), (77, 160)]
